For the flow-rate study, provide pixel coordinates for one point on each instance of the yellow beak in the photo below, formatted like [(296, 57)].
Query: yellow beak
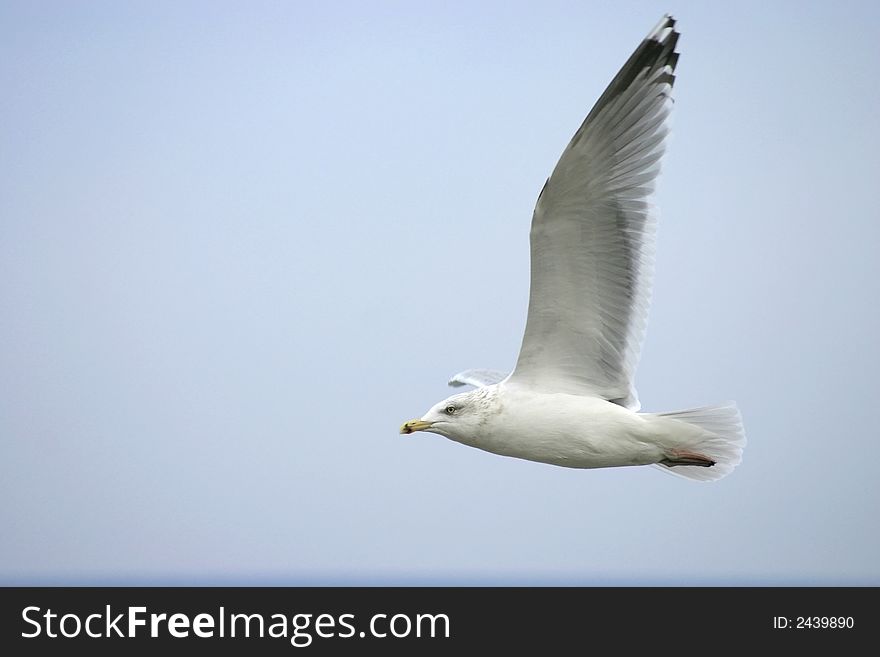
[(415, 425)]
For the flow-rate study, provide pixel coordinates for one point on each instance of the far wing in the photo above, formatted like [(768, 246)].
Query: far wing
[(478, 378), (592, 237)]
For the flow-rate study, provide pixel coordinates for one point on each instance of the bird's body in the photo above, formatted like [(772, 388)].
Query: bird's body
[(571, 401), (575, 431)]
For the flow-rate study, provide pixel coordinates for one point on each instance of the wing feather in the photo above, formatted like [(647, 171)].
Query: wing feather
[(593, 234)]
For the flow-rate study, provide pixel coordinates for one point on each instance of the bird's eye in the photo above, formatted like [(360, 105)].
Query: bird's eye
[(450, 410)]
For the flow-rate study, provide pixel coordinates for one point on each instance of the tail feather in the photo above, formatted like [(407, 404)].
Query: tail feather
[(723, 442)]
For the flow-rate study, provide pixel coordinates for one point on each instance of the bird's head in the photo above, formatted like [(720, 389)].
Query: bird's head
[(459, 417)]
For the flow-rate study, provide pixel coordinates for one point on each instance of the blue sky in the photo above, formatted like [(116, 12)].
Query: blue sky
[(242, 242)]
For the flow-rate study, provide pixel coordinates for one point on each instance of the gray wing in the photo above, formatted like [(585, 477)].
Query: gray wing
[(478, 378), (592, 236)]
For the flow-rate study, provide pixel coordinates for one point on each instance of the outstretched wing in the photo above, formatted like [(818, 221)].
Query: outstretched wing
[(592, 237)]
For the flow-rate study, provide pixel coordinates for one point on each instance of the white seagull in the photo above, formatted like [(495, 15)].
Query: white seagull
[(570, 400)]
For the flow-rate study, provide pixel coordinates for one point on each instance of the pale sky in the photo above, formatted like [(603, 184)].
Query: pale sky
[(240, 243)]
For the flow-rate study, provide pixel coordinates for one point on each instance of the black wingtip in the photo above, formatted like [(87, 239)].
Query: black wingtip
[(656, 51), (654, 57), (666, 23)]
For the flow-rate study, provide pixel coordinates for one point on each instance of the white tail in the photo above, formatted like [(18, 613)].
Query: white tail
[(724, 441)]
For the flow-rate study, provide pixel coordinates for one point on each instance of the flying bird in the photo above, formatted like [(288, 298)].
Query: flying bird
[(570, 400)]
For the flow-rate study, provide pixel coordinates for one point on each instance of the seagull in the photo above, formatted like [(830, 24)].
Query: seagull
[(570, 400)]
